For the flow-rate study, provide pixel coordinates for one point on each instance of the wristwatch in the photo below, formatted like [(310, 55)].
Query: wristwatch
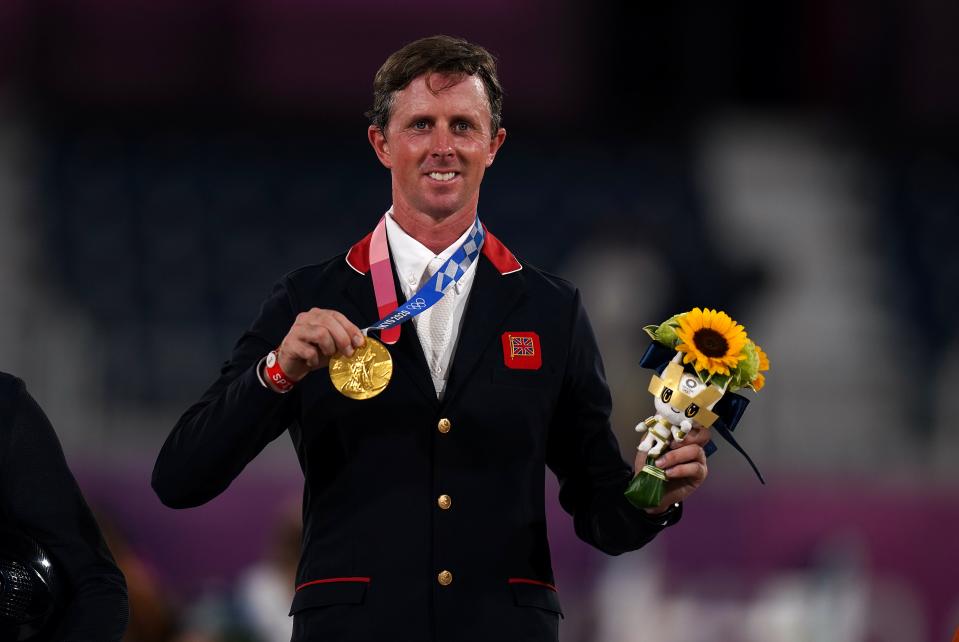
[(667, 518)]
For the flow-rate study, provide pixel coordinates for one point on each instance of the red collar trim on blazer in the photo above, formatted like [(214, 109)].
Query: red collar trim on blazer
[(498, 254), (358, 257)]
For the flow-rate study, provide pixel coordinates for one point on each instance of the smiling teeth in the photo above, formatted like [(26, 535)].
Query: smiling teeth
[(442, 177)]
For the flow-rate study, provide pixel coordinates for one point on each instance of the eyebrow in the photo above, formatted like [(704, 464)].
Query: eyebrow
[(454, 118)]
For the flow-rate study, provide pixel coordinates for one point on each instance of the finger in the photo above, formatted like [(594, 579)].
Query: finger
[(696, 436), (297, 357), (688, 439), (354, 333), (311, 318), (695, 471), (310, 355), (321, 338), (702, 436), (302, 318), (305, 349), (313, 355), (686, 453), (341, 338)]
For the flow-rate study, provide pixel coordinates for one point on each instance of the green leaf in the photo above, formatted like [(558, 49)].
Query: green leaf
[(666, 335), (665, 332), (674, 320), (718, 379)]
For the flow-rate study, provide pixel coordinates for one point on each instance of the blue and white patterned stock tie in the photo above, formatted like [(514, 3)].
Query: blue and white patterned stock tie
[(434, 327)]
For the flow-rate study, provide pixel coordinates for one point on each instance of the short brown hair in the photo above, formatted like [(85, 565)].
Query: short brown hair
[(442, 54)]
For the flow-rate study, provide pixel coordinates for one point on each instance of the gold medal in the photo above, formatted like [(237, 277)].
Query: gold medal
[(365, 374)]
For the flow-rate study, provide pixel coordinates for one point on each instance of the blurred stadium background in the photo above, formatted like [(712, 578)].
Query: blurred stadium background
[(163, 162)]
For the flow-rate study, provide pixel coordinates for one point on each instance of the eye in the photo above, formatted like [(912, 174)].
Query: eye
[(691, 410), (666, 395), (462, 126), (420, 124)]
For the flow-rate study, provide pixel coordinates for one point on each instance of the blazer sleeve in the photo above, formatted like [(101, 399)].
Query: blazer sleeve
[(583, 453), (235, 418), (41, 497)]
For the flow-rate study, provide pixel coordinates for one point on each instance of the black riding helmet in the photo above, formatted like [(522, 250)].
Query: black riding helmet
[(30, 589)]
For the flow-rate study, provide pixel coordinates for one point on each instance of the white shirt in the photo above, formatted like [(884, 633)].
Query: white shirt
[(411, 259)]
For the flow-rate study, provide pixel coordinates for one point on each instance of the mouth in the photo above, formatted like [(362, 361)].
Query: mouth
[(442, 177)]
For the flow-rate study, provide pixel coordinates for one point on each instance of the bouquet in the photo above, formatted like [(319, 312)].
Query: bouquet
[(702, 358)]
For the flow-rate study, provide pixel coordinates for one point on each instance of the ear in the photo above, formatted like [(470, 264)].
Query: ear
[(494, 144), (380, 145)]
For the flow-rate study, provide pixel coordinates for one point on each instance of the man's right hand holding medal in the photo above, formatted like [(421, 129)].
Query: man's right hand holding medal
[(315, 337)]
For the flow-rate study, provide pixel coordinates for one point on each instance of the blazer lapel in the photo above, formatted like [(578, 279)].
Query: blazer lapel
[(492, 296), (359, 293)]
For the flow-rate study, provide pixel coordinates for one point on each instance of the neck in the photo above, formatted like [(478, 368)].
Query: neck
[(436, 233)]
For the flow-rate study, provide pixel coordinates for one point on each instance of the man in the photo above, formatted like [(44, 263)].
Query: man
[(40, 498), (423, 506)]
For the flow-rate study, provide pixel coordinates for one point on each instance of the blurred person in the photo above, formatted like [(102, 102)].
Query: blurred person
[(423, 505), (264, 590), (153, 617), (40, 498), (254, 607)]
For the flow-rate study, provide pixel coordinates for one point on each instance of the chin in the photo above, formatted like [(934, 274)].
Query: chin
[(438, 210)]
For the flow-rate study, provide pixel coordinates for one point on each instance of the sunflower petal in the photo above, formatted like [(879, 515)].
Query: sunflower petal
[(759, 382)]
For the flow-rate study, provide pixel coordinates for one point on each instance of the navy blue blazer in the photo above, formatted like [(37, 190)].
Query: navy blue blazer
[(385, 555)]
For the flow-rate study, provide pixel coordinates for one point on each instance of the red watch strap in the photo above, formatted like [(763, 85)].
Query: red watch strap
[(276, 375)]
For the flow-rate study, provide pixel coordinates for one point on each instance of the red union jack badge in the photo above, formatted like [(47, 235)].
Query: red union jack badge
[(521, 350)]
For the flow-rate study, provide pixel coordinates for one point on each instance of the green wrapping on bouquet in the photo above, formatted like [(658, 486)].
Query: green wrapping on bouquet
[(646, 489)]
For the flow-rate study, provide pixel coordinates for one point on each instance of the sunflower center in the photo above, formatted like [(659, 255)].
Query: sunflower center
[(710, 342)]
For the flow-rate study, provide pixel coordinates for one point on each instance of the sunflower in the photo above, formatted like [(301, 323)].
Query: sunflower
[(711, 339)]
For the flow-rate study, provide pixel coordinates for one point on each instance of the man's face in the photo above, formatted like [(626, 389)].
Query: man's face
[(438, 145)]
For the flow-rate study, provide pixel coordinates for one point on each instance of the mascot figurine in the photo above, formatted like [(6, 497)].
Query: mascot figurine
[(682, 403), (700, 356)]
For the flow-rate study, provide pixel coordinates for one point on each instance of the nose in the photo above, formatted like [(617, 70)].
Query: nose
[(442, 144)]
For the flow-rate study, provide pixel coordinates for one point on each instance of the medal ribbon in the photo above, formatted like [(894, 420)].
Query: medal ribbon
[(382, 274), (432, 291)]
